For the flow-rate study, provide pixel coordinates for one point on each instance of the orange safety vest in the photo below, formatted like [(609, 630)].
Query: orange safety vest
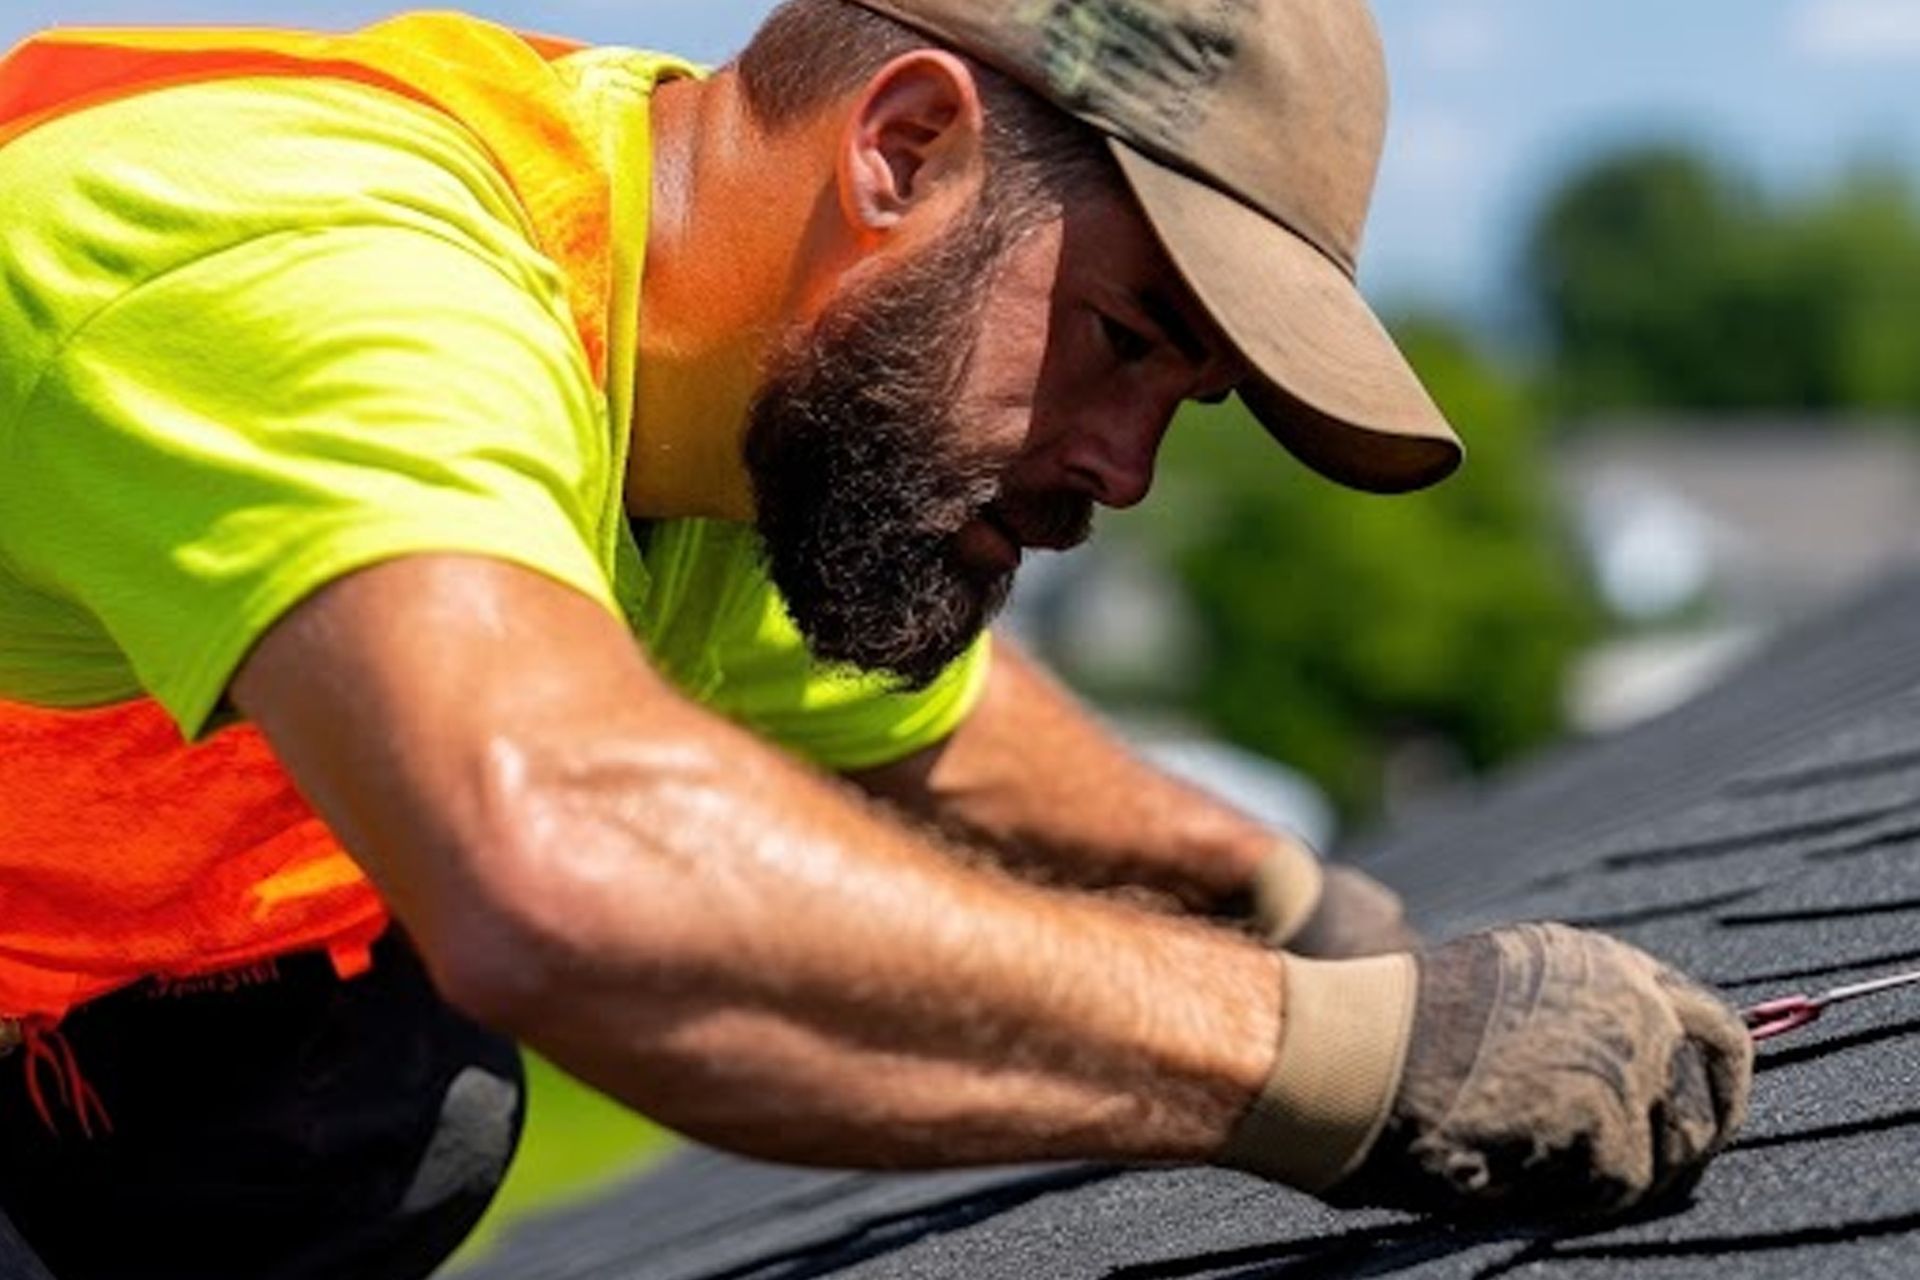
[(126, 853)]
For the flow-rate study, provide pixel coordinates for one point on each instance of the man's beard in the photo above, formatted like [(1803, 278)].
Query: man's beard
[(859, 479)]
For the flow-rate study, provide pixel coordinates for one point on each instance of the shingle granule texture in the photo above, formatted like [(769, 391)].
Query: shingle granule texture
[(1765, 838)]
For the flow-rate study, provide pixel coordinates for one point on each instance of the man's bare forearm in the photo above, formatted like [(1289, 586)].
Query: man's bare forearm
[(716, 935), (858, 999), (1033, 777)]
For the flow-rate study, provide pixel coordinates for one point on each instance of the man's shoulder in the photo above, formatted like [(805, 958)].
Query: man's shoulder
[(103, 199)]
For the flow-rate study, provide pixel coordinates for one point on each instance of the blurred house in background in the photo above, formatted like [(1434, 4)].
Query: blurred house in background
[(1704, 536)]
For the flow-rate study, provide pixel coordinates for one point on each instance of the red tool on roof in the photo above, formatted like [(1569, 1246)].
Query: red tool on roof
[(1776, 1017)]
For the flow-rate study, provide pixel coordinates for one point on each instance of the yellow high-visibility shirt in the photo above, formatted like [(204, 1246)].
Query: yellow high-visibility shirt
[(258, 334)]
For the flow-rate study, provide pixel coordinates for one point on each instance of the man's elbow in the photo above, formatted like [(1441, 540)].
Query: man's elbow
[(492, 970), (557, 897)]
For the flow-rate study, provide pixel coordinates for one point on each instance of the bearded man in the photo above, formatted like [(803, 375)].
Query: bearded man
[(467, 497)]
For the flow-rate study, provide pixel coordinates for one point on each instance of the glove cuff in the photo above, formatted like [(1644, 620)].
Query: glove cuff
[(1343, 1046), (1287, 887)]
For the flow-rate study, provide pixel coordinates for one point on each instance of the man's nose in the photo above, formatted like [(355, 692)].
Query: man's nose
[(1115, 451)]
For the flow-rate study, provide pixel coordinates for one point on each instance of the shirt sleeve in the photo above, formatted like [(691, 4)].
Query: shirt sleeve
[(226, 438)]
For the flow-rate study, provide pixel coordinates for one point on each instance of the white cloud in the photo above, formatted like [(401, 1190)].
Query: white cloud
[(1855, 31)]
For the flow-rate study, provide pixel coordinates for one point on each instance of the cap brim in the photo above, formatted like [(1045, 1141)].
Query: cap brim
[(1330, 385)]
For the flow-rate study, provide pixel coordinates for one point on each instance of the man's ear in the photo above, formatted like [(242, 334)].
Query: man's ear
[(915, 139)]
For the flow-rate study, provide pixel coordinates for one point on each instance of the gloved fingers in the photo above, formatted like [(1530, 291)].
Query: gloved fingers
[(1684, 1124), (1354, 916), (1379, 917), (1725, 1046), (1580, 1162), (1600, 1165)]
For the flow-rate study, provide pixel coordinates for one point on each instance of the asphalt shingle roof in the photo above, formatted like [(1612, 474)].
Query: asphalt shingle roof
[(1765, 837)]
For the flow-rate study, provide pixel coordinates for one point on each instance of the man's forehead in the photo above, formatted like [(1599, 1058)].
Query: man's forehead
[(1106, 237)]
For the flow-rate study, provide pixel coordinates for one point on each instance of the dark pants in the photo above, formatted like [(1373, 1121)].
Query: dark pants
[(271, 1124)]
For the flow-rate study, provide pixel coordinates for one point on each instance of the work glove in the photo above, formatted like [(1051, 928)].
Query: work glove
[(1534, 1071), (1326, 910)]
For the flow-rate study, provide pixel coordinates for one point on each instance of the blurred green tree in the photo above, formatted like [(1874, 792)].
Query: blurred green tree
[(1666, 282), (1338, 626), (1857, 281)]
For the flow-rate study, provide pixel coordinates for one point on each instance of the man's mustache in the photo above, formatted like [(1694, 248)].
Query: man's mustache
[(1057, 523)]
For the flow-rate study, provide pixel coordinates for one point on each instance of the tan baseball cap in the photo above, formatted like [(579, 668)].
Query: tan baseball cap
[(1250, 131)]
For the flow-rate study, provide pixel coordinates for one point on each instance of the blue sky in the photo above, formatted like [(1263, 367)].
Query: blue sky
[(1494, 99), (1497, 99)]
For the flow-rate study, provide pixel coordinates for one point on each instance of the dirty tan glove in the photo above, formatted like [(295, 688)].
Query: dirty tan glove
[(1326, 910), (1542, 1072)]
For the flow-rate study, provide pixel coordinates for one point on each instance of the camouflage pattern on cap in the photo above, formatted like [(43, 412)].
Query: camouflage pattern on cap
[(1200, 85)]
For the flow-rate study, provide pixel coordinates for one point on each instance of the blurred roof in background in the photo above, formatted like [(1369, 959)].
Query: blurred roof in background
[(1775, 518), (1712, 534)]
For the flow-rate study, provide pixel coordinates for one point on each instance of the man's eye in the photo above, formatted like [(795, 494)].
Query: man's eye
[(1129, 344)]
